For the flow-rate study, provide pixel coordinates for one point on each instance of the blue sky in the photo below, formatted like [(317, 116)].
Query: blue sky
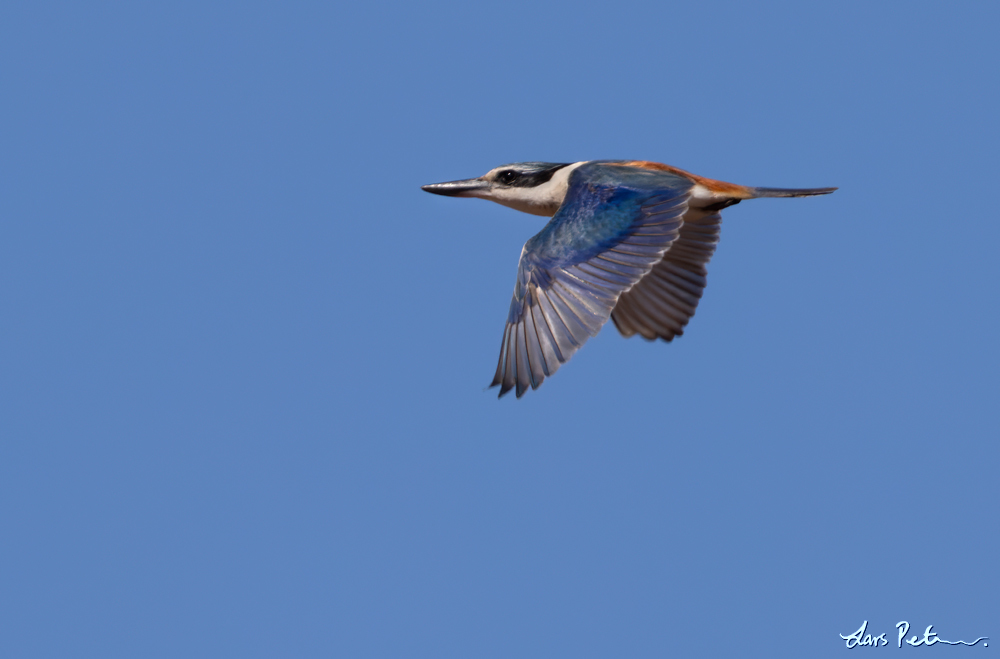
[(243, 356)]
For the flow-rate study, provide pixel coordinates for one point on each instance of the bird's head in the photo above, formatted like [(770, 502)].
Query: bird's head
[(532, 187)]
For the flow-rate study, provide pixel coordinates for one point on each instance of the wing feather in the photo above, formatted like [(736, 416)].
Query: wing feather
[(661, 303), (536, 347), (547, 342), (523, 366)]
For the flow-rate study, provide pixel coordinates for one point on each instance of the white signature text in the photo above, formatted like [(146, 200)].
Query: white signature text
[(930, 637)]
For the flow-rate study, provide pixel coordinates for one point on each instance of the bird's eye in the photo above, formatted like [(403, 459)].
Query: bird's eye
[(507, 176)]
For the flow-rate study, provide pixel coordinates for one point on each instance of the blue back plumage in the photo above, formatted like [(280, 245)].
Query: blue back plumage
[(602, 202)]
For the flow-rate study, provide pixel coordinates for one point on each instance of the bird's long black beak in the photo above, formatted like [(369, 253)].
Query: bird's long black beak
[(467, 188)]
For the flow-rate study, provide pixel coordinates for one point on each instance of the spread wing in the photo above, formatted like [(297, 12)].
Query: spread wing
[(663, 302), (613, 227)]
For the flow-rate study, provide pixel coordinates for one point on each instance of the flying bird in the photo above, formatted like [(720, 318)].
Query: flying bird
[(628, 239)]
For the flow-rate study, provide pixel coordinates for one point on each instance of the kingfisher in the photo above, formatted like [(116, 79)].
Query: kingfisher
[(628, 240)]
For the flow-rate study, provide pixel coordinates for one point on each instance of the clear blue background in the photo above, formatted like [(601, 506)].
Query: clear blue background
[(243, 356)]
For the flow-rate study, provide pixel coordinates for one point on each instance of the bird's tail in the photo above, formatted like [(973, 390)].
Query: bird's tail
[(789, 192)]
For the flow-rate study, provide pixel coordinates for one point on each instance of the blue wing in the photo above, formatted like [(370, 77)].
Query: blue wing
[(614, 225)]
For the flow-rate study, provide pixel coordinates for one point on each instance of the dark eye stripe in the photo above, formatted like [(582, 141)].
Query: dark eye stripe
[(535, 178)]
